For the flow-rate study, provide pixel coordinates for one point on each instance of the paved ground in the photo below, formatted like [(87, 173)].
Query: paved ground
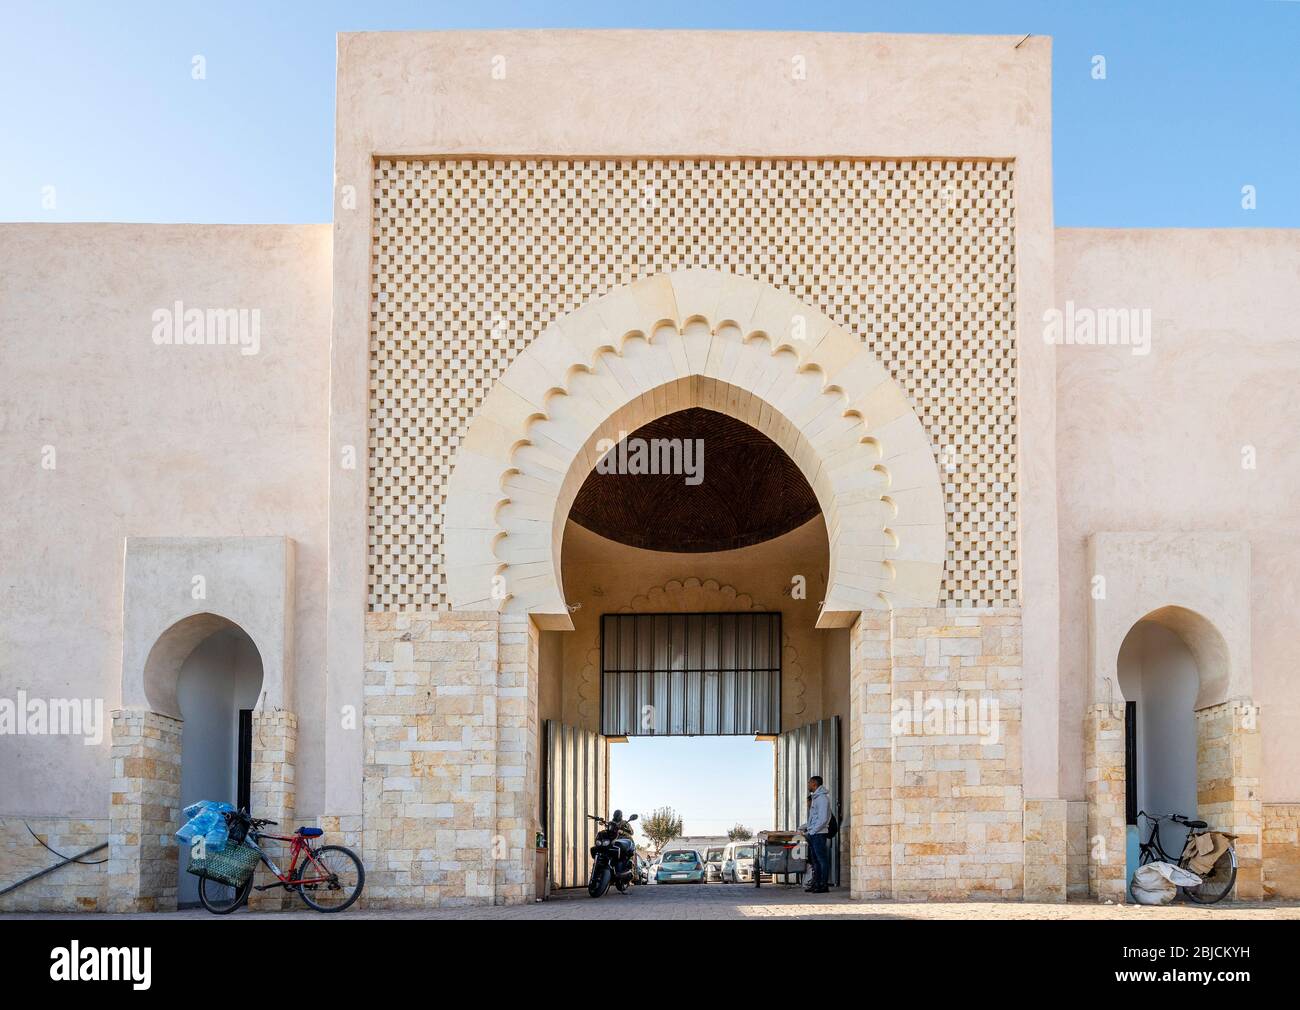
[(743, 901)]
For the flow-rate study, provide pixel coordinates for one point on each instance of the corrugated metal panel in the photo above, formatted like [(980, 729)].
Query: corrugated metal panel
[(690, 674), (577, 763), (812, 749)]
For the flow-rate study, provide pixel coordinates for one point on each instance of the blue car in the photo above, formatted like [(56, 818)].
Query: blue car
[(681, 866)]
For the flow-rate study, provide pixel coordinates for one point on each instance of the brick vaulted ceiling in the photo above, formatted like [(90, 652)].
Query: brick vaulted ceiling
[(751, 491)]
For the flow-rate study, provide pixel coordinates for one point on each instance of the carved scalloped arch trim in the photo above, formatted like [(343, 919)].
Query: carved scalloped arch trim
[(708, 339)]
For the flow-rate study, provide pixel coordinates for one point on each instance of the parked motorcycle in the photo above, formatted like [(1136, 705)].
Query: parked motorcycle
[(613, 855)]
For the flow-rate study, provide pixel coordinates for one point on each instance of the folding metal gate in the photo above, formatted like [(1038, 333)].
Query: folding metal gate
[(577, 784), (811, 749)]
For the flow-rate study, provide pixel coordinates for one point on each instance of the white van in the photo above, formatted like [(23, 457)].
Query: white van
[(713, 863), (738, 863)]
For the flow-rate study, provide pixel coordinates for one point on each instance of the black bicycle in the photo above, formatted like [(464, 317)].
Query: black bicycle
[(1215, 885)]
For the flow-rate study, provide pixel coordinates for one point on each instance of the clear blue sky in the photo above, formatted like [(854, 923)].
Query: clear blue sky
[(1200, 99), (713, 782)]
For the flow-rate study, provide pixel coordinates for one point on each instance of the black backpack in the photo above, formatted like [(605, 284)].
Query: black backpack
[(832, 827)]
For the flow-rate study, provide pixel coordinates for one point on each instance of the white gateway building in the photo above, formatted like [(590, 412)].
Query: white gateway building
[(669, 383)]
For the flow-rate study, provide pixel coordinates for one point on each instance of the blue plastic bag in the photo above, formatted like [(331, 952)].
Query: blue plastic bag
[(206, 820)]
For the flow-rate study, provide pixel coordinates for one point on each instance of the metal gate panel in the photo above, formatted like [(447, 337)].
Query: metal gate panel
[(577, 783), (811, 749), (691, 674)]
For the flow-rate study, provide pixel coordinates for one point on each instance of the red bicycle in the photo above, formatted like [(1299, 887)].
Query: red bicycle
[(328, 878)]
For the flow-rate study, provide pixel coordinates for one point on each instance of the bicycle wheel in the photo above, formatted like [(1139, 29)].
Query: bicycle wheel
[(347, 878), (1217, 884), (222, 899)]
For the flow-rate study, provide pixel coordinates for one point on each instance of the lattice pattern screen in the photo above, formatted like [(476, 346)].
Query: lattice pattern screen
[(473, 258)]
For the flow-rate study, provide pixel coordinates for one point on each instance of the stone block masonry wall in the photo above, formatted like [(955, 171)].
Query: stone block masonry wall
[(1076, 849), (937, 809), (1227, 784), (958, 801), (1281, 850), (273, 793), (75, 887), (144, 812), (1046, 850), (937, 803), (1103, 742), (450, 774), (937, 812), (870, 758), (340, 829), (517, 762)]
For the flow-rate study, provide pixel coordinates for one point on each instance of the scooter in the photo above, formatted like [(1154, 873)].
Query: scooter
[(613, 855)]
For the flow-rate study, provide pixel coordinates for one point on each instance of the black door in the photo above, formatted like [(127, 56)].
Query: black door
[(245, 787)]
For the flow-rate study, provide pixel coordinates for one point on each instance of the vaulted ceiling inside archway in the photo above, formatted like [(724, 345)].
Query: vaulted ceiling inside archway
[(748, 489)]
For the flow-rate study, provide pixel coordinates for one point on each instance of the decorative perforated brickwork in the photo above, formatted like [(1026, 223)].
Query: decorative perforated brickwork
[(473, 258)]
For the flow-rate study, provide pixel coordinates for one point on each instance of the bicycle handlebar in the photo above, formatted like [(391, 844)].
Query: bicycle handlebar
[(1176, 818), (253, 822)]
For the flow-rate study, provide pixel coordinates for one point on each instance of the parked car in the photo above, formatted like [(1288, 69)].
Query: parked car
[(713, 863), (681, 866), (641, 870), (738, 863)]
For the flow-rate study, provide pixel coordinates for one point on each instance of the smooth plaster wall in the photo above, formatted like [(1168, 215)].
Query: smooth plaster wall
[(837, 696), (1154, 442), (550, 675), (151, 441), (666, 93)]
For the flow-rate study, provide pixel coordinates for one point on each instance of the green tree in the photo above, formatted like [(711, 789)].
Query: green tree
[(662, 826), (740, 833)]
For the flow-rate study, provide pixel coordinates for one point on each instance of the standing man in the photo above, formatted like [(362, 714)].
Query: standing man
[(815, 830)]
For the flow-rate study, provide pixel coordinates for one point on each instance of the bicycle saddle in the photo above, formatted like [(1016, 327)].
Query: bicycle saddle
[(310, 832), (1196, 824)]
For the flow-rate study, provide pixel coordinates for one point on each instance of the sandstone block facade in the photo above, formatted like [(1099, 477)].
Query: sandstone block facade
[(1280, 850), (1103, 734), (450, 759), (75, 887), (958, 799), (1227, 785), (145, 811), (1076, 848), (871, 748), (937, 798), (273, 791), (1046, 850)]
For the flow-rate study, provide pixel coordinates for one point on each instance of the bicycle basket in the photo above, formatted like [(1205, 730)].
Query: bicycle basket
[(233, 865)]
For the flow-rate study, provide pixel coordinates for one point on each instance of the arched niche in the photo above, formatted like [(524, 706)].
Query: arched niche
[(179, 590)]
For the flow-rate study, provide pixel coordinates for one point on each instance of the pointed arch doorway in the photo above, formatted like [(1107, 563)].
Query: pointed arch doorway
[(696, 340)]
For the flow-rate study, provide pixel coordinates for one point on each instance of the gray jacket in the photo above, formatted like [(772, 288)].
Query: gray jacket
[(819, 812)]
